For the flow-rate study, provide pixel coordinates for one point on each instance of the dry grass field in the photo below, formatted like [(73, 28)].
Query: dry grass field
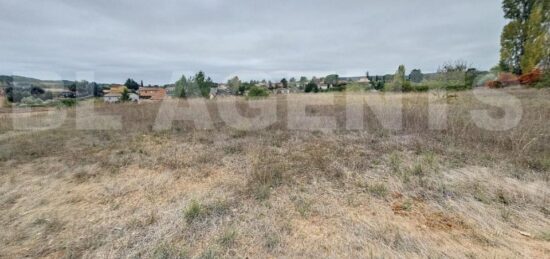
[(461, 192)]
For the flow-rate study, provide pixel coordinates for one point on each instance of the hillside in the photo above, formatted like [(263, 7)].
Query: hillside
[(6, 81)]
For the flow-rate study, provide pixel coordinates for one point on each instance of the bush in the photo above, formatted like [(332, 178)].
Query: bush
[(193, 211), (494, 84), (456, 87), (544, 80), (311, 87), (257, 92), (378, 189), (31, 101), (355, 87), (68, 102), (421, 88)]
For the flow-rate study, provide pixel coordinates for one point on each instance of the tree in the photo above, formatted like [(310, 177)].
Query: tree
[(510, 51), (181, 85), (399, 80), (516, 34), (72, 87), (379, 85), (97, 90), (234, 84), (131, 84), (292, 82), (454, 74), (204, 84), (303, 81), (470, 77), (537, 42), (331, 80), (311, 87), (257, 92), (125, 96), (16, 94), (284, 82), (35, 90), (416, 76)]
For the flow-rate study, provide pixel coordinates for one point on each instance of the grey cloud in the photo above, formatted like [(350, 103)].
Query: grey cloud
[(152, 40)]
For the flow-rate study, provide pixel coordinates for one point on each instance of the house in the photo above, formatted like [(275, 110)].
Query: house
[(263, 84), (67, 94), (152, 93), (364, 80), (119, 89), (223, 86), (170, 90), (133, 97), (112, 97), (213, 93), (278, 85), (224, 92), (281, 91)]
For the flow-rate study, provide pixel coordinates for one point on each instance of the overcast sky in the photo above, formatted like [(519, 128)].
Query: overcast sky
[(157, 41)]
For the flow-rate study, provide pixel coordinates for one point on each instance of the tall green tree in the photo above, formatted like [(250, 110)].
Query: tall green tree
[(234, 84), (311, 87), (284, 82), (517, 34), (399, 80), (510, 52), (331, 80), (181, 85), (204, 84), (303, 82), (125, 96), (416, 76), (292, 82), (537, 44), (131, 84)]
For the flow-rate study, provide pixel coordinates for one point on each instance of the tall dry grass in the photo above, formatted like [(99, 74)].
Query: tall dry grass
[(281, 191)]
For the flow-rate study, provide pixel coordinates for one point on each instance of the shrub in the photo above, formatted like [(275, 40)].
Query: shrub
[(197, 211), (193, 211), (421, 88), (68, 102), (311, 87), (31, 101), (355, 87), (493, 84), (257, 92), (209, 253), (228, 237), (166, 251), (544, 80), (378, 189)]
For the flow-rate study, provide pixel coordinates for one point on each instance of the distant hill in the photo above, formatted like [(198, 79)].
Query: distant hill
[(6, 81)]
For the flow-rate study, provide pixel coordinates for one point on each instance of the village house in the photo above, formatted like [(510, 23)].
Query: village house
[(281, 91), (263, 84), (152, 94), (213, 93), (112, 97), (223, 86), (133, 97), (114, 94), (364, 80), (119, 89)]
